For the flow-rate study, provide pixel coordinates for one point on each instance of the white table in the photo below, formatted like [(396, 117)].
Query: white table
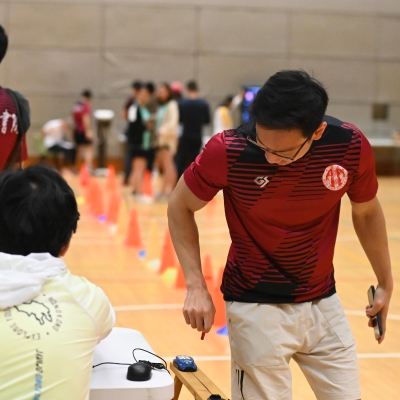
[(108, 382)]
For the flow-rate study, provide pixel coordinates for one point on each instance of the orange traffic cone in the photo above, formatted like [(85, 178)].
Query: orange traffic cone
[(133, 238), (180, 279), (218, 281), (168, 258), (88, 193), (113, 207), (95, 198), (208, 271), (147, 187), (84, 176), (111, 183), (219, 303)]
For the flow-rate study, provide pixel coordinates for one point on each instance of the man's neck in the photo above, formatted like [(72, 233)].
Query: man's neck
[(193, 95)]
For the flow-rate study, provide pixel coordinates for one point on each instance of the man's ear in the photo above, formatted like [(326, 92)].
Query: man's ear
[(65, 248), (320, 131)]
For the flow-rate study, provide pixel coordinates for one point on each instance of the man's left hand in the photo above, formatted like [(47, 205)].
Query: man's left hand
[(381, 304)]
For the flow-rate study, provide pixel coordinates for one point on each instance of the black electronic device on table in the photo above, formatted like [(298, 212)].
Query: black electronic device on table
[(139, 372), (376, 320)]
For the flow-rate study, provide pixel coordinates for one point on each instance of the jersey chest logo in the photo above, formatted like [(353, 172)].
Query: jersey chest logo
[(9, 117), (262, 181), (335, 177)]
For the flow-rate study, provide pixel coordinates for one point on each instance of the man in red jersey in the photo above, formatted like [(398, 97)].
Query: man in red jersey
[(8, 120), (83, 133), (283, 177)]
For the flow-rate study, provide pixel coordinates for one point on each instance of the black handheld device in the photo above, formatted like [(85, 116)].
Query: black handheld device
[(376, 320)]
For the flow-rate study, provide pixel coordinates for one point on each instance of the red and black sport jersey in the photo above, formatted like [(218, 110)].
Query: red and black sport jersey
[(9, 129), (79, 110), (283, 219)]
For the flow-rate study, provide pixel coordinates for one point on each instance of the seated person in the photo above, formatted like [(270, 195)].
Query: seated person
[(50, 320), (56, 140)]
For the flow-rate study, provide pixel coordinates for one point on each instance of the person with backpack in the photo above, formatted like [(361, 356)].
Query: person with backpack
[(14, 120)]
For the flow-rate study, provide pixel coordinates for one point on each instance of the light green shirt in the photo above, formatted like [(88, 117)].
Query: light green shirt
[(47, 343)]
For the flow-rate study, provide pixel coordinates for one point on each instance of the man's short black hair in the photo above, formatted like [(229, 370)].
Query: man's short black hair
[(151, 87), (87, 93), (192, 86), (38, 211), (137, 85), (3, 43), (290, 100)]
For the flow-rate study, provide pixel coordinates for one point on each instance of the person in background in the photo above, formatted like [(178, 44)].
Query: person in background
[(222, 116), (56, 139), (177, 95), (167, 122), (83, 132), (135, 88), (236, 108), (152, 105), (50, 320), (194, 114), (177, 90), (140, 150), (13, 150)]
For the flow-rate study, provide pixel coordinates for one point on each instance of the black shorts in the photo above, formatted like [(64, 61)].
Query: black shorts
[(80, 138), (134, 152)]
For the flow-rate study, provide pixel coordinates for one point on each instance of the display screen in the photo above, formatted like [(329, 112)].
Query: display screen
[(249, 95)]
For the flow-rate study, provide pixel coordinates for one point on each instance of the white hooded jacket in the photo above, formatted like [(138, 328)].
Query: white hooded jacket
[(22, 278), (50, 323)]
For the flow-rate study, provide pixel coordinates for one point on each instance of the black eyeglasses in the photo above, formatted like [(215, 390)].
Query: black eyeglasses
[(275, 153)]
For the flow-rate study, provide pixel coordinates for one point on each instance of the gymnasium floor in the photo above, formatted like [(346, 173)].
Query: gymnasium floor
[(148, 302)]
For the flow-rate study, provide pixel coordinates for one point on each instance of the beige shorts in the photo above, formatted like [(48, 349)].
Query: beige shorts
[(265, 337)]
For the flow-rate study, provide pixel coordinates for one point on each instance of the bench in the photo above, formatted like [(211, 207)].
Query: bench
[(198, 384)]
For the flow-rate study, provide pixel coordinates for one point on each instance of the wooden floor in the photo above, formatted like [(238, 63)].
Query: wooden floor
[(148, 302)]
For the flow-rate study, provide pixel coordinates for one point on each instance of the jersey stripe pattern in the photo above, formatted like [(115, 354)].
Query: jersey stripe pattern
[(283, 219)]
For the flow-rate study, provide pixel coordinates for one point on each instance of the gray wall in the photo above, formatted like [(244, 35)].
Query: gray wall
[(57, 48)]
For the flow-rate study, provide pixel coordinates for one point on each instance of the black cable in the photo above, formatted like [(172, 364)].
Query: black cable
[(94, 366), (158, 366)]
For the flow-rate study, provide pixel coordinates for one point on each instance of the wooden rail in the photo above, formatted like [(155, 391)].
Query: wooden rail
[(198, 384)]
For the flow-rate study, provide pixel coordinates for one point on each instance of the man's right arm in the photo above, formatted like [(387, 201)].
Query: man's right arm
[(198, 309)]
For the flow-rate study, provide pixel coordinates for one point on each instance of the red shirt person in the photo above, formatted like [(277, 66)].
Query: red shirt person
[(83, 133), (80, 110), (283, 219), (8, 118), (283, 178), (81, 113)]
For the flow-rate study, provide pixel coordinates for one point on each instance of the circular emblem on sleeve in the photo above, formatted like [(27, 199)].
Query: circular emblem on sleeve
[(334, 177)]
